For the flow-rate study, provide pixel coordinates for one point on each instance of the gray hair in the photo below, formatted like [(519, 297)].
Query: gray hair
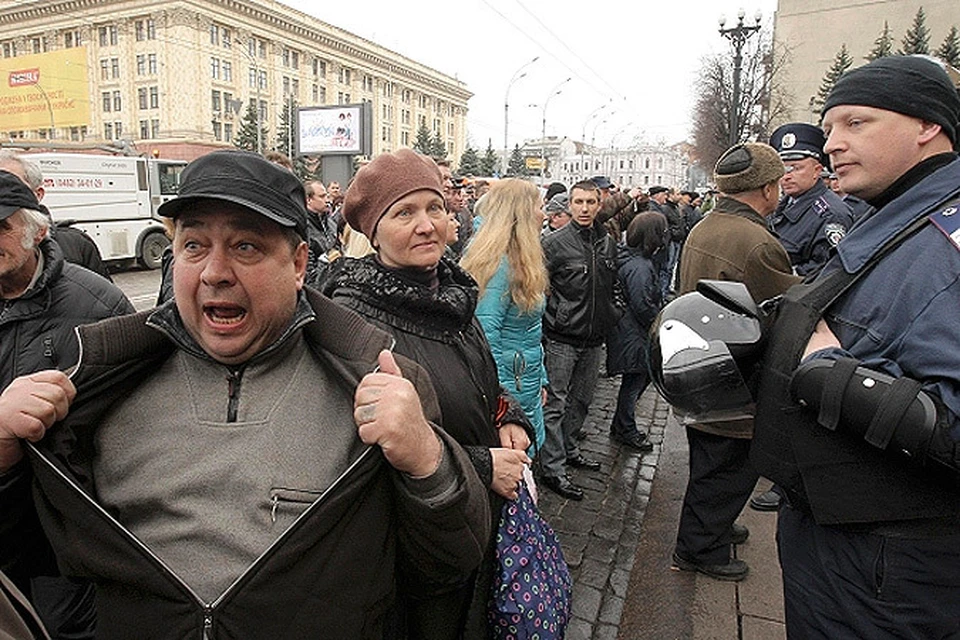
[(31, 172), (33, 223)]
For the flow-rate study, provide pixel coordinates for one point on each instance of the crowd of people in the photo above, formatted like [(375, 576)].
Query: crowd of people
[(316, 431)]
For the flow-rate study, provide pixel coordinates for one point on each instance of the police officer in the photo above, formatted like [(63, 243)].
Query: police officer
[(858, 416), (810, 218)]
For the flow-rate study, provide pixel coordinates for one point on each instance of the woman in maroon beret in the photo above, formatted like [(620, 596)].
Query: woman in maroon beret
[(427, 303)]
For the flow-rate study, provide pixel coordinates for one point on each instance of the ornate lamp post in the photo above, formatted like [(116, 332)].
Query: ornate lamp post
[(738, 35), (519, 73)]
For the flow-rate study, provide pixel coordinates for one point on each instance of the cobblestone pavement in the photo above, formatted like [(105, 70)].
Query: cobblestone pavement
[(599, 534)]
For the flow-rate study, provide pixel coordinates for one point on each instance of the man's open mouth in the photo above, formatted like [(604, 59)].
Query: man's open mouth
[(224, 314)]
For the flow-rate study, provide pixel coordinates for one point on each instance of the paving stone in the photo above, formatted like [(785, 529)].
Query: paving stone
[(586, 602), (619, 579), (579, 630), (611, 610), (594, 574)]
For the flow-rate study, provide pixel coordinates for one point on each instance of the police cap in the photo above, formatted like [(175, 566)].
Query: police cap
[(799, 140)]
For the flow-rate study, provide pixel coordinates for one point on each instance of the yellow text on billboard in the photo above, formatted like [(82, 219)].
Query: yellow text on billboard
[(45, 90)]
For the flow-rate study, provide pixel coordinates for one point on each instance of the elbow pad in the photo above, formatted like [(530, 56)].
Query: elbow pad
[(889, 413)]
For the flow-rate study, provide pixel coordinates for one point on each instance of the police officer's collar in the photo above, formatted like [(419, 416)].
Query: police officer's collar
[(794, 211), (919, 171), (940, 184)]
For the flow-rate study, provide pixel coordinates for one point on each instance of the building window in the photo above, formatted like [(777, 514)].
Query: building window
[(155, 129), (142, 97), (367, 83), (39, 44), (151, 29), (405, 116), (217, 132), (106, 102), (215, 100), (343, 98), (104, 69), (228, 132), (215, 68), (108, 36), (405, 138), (225, 38), (144, 129), (406, 96), (116, 101), (285, 56), (227, 71), (344, 75), (152, 64), (114, 68), (75, 134), (215, 34), (140, 34), (450, 129), (72, 39), (141, 64), (319, 68), (154, 97), (9, 50), (228, 102), (108, 131)]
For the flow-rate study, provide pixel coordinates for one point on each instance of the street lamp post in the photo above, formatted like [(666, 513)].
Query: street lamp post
[(583, 133), (519, 73), (543, 128), (738, 35), (593, 141), (49, 108)]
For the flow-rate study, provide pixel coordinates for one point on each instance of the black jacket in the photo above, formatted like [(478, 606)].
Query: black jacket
[(640, 280), (582, 265), (332, 574)]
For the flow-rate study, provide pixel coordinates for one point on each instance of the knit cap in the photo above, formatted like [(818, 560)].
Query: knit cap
[(387, 179), (747, 166), (558, 203), (915, 86)]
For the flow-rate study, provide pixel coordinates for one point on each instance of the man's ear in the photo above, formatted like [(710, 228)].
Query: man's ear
[(300, 256), (928, 131)]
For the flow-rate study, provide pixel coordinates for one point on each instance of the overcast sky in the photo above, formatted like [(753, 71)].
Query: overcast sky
[(640, 59)]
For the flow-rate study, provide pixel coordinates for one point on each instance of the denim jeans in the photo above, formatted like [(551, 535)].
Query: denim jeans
[(624, 423), (572, 373), (667, 266)]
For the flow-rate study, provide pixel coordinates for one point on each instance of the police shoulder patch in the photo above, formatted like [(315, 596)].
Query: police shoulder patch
[(948, 221), (834, 231)]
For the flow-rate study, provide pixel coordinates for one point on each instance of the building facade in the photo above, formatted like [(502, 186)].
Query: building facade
[(813, 31), (176, 77), (640, 165)]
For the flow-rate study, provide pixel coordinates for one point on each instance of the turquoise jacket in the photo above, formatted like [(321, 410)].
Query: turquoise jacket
[(514, 338)]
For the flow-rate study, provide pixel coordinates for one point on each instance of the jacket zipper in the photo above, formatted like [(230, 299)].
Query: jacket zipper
[(234, 380), (209, 608)]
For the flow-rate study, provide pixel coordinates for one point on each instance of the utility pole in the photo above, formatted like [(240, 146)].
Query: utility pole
[(738, 35)]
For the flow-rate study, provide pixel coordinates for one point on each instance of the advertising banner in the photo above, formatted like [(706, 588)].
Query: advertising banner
[(331, 130), (45, 90)]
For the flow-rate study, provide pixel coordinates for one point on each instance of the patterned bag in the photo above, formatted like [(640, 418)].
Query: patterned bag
[(532, 585)]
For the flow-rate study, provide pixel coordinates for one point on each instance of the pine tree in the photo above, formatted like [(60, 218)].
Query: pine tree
[(437, 147), (518, 165), (841, 62), (489, 162), (917, 38), (423, 144), (949, 51), (246, 137), (883, 45), (469, 163), (286, 137)]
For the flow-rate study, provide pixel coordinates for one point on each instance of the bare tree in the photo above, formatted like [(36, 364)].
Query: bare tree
[(763, 101)]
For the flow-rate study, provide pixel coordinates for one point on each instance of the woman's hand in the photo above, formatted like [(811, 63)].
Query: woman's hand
[(513, 436), (507, 471)]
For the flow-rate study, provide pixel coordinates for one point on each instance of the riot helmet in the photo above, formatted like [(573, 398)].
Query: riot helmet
[(704, 348)]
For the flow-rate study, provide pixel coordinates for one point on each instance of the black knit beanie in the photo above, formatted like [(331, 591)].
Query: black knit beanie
[(912, 85)]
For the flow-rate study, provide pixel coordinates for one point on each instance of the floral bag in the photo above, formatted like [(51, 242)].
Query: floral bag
[(532, 585)]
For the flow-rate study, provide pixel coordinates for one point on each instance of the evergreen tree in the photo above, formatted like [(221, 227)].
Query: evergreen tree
[(489, 163), (841, 62), (423, 143), (518, 165), (470, 162), (917, 38), (883, 45), (246, 137), (949, 51), (437, 147), (286, 137)]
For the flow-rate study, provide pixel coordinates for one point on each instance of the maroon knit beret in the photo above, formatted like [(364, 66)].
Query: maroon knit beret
[(390, 177)]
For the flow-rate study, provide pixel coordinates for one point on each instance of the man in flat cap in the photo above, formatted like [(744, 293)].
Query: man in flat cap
[(858, 416), (810, 219), (43, 299), (732, 243), (248, 459)]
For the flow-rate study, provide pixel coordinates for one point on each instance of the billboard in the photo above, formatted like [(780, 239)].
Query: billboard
[(338, 130), (45, 90)]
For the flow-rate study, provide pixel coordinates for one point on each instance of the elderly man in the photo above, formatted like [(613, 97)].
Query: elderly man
[(858, 414), (77, 246), (44, 299), (249, 459), (732, 243)]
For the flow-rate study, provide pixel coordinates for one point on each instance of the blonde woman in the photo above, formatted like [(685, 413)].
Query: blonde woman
[(506, 260)]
